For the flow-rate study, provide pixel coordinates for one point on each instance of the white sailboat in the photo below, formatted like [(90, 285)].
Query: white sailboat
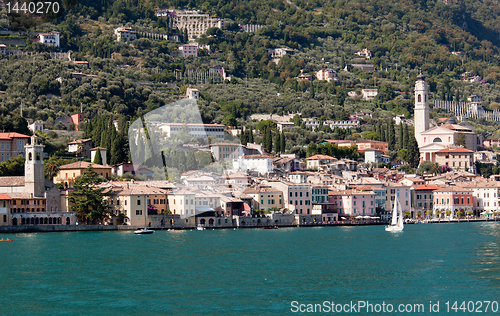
[(397, 224)]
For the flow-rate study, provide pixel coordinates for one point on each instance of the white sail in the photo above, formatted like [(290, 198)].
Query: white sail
[(400, 219), (397, 218), (395, 214)]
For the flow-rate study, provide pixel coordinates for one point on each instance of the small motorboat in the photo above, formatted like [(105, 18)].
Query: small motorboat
[(270, 227), (199, 227), (144, 231)]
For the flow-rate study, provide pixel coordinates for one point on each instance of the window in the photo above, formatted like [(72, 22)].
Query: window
[(468, 200), (406, 202), (354, 203), (291, 194), (447, 201), (138, 202), (307, 194), (462, 200), (296, 194), (268, 201), (138, 212), (280, 201), (125, 202), (117, 202), (300, 194)]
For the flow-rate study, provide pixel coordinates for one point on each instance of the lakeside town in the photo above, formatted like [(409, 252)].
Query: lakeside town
[(254, 188), (178, 157)]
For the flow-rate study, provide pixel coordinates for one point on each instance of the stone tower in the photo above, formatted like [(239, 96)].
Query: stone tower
[(421, 108), (34, 174)]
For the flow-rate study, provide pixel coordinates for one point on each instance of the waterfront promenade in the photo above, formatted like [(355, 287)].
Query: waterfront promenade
[(75, 228)]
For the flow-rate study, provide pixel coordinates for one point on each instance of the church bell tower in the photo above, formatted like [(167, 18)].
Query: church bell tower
[(421, 108), (34, 174)]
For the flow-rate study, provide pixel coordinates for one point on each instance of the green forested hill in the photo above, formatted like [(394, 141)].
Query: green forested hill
[(402, 36)]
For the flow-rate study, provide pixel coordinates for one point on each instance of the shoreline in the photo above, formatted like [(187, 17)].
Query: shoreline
[(80, 228)]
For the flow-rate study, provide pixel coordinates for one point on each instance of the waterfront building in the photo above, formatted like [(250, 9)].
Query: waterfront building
[(319, 194), (453, 199), (486, 196), (422, 198), (265, 198), (33, 200), (402, 193), (352, 203), (133, 203), (5, 201), (296, 197)]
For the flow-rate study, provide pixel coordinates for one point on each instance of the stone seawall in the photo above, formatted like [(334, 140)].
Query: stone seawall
[(56, 228)]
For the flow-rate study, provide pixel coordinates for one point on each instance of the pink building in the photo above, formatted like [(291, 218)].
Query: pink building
[(187, 50), (352, 203)]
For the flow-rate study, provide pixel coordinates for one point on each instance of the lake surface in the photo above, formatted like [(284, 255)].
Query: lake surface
[(248, 271)]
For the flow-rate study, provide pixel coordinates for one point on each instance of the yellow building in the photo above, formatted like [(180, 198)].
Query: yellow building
[(459, 159), (5, 201), (265, 198), (136, 201), (68, 173)]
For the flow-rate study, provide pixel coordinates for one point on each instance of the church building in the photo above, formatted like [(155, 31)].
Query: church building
[(31, 199), (432, 139)]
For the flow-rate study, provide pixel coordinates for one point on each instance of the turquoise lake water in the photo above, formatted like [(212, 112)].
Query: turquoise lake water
[(248, 271)]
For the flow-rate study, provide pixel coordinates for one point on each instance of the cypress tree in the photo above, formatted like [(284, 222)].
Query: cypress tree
[(191, 163), (98, 158), (413, 152), (250, 138), (400, 137), (116, 152), (283, 142), (277, 142), (406, 137), (391, 139)]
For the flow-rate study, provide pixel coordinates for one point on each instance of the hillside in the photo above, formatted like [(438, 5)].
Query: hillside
[(402, 37)]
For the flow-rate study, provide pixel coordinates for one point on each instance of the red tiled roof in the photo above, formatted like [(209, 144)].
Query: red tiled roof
[(426, 187), (12, 135), (4, 196), (83, 165), (319, 157), (456, 150)]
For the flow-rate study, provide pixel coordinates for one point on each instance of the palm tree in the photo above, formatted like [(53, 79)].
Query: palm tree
[(448, 212), (419, 214), (469, 213), (407, 214), (438, 213), (51, 170)]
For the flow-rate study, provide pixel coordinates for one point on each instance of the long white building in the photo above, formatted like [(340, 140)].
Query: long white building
[(195, 130)]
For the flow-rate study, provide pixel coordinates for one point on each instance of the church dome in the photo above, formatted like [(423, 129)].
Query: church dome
[(451, 120)]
